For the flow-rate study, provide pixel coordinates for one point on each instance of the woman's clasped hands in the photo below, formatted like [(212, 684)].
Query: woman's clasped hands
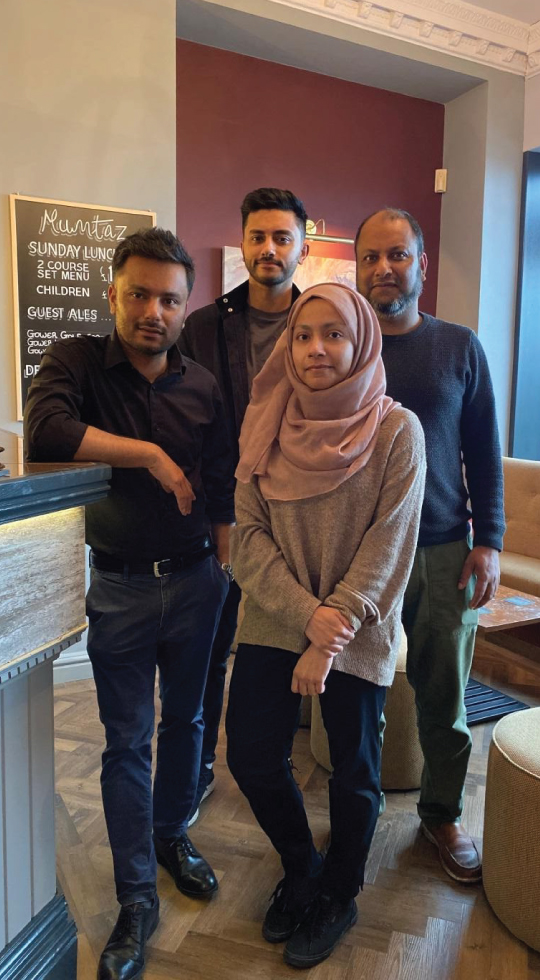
[(329, 632)]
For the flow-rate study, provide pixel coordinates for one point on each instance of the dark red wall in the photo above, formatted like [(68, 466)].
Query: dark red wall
[(345, 149)]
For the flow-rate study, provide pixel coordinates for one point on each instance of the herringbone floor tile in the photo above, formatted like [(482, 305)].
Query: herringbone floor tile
[(414, 922)]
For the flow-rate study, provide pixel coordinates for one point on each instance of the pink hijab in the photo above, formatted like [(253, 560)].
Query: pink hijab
[(302, 443)]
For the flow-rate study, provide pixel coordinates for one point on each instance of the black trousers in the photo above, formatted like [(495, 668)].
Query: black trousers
[(262, 719), (139, 623), (215, 682)]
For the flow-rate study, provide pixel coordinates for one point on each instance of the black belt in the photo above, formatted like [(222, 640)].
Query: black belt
[(165, 566)]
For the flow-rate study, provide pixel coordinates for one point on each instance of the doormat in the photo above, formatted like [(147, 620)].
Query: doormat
[(485, 704)]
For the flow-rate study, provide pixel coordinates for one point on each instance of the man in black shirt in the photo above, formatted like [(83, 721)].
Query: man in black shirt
[(439, 371), (159, 556), (233, 337)]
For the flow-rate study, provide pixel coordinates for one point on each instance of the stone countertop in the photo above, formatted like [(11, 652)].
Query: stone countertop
[(41, 488)]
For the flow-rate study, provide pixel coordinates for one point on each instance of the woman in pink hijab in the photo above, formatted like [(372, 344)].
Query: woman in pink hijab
[(330, 486)]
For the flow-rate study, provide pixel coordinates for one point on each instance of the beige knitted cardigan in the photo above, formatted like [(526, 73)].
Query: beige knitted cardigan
[(351, 548)]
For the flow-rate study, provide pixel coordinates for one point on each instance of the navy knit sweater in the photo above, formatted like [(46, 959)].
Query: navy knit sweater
[(440, 372)]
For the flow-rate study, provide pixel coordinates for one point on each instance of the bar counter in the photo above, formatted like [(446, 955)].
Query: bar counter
[(42, 612)]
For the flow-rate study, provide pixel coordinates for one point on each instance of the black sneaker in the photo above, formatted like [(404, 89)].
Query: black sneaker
[(205, 787), (320, 932), (123, 957), (290, 903), (283, 915)]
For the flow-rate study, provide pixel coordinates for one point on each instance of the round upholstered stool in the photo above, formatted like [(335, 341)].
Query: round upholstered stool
[(402, 760), (511, 861)]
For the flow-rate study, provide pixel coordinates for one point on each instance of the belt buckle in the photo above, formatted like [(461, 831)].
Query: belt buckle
[(157, 571)]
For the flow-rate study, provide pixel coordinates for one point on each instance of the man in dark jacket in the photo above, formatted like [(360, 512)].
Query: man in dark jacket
[(233, 337)]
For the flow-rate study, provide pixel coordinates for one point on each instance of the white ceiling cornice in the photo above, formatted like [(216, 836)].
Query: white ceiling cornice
[(533, 67), (454, 26)]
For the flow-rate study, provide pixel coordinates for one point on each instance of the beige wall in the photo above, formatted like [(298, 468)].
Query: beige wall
[(532, 113), (88, 113), (461, 253), (480, 222), (90, 116), (500, 236)]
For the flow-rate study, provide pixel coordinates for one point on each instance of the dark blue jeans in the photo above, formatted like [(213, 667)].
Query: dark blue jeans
[(262, 719), (138, 623), (215, 682)]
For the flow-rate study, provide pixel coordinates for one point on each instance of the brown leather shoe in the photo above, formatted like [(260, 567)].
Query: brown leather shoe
[(457, 851)]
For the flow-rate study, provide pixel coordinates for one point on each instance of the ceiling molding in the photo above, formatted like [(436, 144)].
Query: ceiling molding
[(534, 51), (454, 26)]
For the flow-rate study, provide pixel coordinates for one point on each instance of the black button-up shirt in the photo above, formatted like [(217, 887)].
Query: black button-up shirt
[(90, 381)]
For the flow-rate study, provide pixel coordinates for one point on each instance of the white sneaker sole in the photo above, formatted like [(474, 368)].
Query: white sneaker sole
[(208, 791)]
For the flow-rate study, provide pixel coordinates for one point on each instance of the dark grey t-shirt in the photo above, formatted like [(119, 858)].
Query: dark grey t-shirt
[(264, 330)]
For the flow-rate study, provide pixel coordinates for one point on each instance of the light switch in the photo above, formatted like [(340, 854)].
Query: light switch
[(440, 181)]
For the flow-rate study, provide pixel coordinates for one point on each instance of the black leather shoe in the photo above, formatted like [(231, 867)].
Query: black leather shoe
[(325, 924), (123, 956), (192, 874)]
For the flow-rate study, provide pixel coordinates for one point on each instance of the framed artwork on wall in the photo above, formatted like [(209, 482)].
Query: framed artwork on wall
[(315, 269)]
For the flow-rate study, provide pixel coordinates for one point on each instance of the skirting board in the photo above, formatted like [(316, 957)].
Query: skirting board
[(72, 667), (46, 949)]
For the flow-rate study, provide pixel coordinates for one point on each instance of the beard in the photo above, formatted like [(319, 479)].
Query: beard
[(130, 337), (400, 303), (269, 278), (144, 348)]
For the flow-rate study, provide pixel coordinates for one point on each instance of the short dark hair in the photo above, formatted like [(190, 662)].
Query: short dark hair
[(273, 199), (157, 244), (395, 214)]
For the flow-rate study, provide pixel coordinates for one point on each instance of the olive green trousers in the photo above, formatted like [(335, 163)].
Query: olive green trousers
[(440, 632)]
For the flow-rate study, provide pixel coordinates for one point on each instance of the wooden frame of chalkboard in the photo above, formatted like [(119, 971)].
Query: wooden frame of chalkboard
[(61, 257)]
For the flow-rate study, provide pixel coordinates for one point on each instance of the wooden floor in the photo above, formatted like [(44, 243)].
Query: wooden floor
[(414, 922)]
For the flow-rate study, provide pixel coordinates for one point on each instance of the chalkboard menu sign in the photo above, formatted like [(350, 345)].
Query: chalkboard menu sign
[(62, 255)]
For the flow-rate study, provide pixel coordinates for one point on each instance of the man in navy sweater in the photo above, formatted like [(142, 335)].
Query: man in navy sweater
[(439, 371)]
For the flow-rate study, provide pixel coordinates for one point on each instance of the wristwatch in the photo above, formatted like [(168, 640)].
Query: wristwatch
[(228, 569)]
